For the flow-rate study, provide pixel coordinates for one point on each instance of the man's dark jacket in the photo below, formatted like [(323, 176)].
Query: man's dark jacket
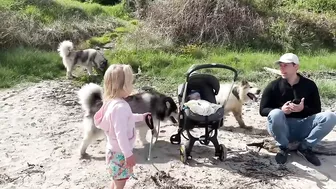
[(279, 91)]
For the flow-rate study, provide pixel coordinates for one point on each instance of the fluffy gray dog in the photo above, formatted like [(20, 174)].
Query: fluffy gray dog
[(162, 108), (88, 58)]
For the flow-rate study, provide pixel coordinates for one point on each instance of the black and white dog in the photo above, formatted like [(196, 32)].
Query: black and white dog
[(162, 108), (88, 58)]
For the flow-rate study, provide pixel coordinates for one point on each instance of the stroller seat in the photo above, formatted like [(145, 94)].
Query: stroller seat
[(198, 92), (208, 87), (217, 115)]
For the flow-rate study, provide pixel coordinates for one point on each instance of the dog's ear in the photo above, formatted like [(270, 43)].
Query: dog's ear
[(244, 82), (167, 104), (170, 104)]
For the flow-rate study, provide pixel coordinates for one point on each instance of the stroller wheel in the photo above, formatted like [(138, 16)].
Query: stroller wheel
[(183, 154), (175, 139), (223, 152)]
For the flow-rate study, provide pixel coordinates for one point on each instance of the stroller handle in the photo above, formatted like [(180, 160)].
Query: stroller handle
[(212, 65)]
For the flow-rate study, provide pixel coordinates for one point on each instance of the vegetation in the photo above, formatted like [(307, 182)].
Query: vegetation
[(42, 24), (28, 65), (285, 25), (244, 34), (172, 66)]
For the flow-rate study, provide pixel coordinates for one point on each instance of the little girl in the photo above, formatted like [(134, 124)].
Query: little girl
[(117, 120)]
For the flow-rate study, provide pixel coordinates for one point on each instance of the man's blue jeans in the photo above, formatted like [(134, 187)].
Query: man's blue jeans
[(308, 131)]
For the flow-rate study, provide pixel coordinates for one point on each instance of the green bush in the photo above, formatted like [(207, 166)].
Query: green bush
[(302, 33)]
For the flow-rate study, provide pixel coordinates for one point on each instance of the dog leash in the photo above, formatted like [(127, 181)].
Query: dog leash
[(149, 121), (150, 124)]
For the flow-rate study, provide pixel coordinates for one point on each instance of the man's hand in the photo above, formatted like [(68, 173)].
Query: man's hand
[(286, 108), (297, 107)]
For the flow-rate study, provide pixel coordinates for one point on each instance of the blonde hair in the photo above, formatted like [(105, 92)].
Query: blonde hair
[(118, 81)]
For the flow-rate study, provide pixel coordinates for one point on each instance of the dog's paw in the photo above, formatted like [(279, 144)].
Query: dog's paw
[(70, 77), (84, 155)]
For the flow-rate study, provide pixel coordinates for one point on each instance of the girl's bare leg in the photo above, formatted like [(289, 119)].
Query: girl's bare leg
[(119, 184)]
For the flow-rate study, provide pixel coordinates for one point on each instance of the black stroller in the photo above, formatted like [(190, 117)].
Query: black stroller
[(207, 86)]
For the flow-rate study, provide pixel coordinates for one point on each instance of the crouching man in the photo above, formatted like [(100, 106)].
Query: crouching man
[(293, 109)]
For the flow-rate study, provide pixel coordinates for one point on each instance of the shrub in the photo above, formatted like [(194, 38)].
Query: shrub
[(297, 32), (21, 30), (143, 37), (212, 21), (43, 24), (244, 24)]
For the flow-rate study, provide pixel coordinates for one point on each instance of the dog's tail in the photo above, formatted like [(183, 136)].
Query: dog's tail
[(64, 48), (89, 95)]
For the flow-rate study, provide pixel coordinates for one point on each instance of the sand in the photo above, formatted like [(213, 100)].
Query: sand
[(41, 131)]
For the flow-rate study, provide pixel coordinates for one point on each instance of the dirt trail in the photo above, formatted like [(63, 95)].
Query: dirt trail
[(41, 132)]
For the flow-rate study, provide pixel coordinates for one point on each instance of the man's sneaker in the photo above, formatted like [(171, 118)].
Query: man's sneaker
[(281, 156), (309, 155)]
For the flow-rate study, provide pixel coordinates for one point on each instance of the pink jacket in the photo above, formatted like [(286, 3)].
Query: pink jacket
[(116, 119)]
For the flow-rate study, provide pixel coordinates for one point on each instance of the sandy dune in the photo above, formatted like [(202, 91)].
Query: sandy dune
[(41, 132)]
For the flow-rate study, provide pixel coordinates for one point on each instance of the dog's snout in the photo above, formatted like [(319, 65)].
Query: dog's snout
[(258, 91), (104, 65)]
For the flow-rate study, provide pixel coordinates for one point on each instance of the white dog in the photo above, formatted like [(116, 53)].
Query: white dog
[(240, 94), (87, 58), (161, 107)]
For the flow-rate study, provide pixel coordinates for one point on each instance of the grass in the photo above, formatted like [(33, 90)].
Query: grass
[(50, 11), (28, 65), (159, 62), (29, 54), (108, 36), (166, 70), (117, 11)]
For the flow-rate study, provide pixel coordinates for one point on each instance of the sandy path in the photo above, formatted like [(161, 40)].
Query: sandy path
[(41, 131)]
